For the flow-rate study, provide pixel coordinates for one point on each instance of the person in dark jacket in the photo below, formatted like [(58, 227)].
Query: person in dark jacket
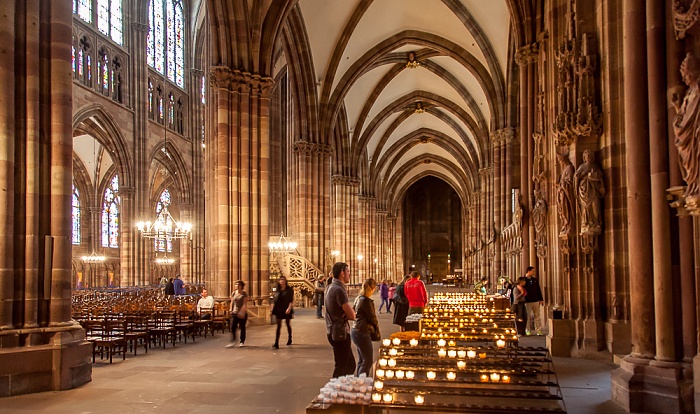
[(283, 309), (519, 300), (364, 327), (170, 287), (400, 304), (533, 302)]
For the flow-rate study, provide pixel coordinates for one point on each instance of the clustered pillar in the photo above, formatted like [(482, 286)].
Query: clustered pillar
[(46, 349), (237, 216)]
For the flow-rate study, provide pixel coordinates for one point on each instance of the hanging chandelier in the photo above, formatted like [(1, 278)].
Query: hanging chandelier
[(165, 260), (93, 258), (283, 244), (164, 227)]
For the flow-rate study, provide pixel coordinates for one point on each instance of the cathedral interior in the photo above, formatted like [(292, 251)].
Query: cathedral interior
[(464, 138)]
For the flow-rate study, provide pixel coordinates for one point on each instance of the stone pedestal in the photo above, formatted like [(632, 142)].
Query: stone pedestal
[(590, 334), (259, 315), (619, 337), (646, 385), (44, 359), (560, 337), (696, 382)]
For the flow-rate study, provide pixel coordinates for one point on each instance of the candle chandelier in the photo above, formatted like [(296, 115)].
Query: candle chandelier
[(283, 244), (164, 227)]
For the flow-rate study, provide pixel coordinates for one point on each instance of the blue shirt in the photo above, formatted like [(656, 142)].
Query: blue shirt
[(179, 286)]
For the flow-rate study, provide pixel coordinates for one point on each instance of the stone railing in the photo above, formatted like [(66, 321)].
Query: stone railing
[(301, 275)]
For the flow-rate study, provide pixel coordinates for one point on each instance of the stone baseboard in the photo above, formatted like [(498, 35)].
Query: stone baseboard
[(645, 385), (44, 359)]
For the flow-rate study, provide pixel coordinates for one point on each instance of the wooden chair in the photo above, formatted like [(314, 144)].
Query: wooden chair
[(184, 324), (161, 328), (112, 340), (220, 318), (137, 332), (204, 325)]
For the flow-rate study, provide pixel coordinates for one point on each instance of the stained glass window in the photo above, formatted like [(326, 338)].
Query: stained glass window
[(75, 68), (166, 39), (88, 69), (163, 245), (110, 214), (150, 99), (104, 72), (109, 19), (83, 8), (76, 216), (80, 63), (116, 22), (171, 111), (204, 90)]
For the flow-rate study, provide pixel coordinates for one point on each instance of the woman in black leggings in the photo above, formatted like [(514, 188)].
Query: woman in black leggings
[(283, 309)]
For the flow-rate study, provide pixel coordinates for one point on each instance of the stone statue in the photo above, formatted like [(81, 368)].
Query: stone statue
[(539, 211), (539, 219), (565, 194), (590, 188), (686, 126)]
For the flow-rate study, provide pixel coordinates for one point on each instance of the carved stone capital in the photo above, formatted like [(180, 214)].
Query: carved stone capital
[(312, 148), (382, 212), (139, 27), (685, 206), (367, 199), (345, 180), (235, 80), (683, 20), (527, 54)]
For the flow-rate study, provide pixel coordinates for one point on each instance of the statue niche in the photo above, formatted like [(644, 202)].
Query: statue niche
[(565, 194), (590, 188), (686, 126), (539, 219)]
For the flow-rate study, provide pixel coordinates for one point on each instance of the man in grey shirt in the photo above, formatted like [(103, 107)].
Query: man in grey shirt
[(338, 313)]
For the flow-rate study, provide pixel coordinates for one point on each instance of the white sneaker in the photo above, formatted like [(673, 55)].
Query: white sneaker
[(240, 345), (231, 345)]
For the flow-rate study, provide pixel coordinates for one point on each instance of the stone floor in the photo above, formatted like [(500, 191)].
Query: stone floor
[(206, 377)]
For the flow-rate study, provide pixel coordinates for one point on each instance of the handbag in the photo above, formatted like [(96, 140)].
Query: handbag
[(375, 335), (338, 332)]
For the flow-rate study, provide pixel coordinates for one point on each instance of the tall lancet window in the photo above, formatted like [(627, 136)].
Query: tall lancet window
[(164, 245), (110, 214), (166, 39), (76, 216)]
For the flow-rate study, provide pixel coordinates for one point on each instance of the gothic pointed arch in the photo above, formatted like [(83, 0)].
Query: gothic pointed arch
[(93, 119)]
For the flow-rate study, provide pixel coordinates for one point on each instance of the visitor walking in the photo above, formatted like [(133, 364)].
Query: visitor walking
[(283, 309)]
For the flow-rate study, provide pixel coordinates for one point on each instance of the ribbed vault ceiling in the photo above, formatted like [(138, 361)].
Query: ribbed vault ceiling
[(360, 49)]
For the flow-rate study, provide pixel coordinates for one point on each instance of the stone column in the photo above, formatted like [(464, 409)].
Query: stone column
[(7, 162), (661, 235), (345, 207), (137, 252), (628, 380), (36, 172), (497, 141), (526, 59), (681, 227), (238, 209), (312, 198), (128, 235)]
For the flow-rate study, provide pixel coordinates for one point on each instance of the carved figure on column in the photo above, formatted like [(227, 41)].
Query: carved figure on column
[(687, 128), (565, 194), (539, 219), (590, 189)]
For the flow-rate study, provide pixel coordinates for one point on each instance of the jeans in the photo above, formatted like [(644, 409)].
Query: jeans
[(365, 353), (385, 301), (235, 323), (342, 354), (534, 317), (319, 306)]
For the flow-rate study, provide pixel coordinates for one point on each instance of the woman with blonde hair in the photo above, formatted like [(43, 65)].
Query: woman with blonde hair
[(365, 329)]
